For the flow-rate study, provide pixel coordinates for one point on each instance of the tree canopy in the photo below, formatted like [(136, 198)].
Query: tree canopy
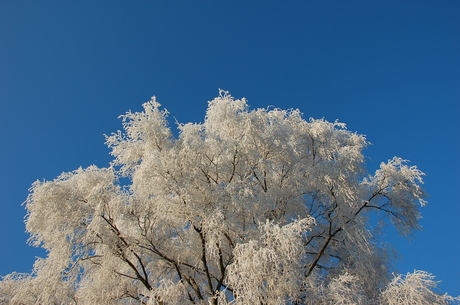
[(249, 207)]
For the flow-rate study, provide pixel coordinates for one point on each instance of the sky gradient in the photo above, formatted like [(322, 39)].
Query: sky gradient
[(388, 69)]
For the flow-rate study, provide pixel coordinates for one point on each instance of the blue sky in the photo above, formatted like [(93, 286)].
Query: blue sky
[(388, 69)]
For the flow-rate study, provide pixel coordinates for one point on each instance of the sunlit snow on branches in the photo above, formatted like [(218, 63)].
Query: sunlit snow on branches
[(249, 207)]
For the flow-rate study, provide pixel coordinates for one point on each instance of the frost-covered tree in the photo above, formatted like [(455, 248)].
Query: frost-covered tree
[(249, 207)]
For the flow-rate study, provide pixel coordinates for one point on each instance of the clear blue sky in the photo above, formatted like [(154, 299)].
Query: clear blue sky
[(388, 69)]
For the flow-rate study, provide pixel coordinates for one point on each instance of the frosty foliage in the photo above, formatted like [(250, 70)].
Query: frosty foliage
[(346, 289), (269, 270), (249, 207), (414, 289)]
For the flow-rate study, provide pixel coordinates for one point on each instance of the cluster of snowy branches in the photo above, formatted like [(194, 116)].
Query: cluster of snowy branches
[(249, 207)]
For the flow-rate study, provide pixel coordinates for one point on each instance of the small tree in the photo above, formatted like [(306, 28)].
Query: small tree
[(249, 207)]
